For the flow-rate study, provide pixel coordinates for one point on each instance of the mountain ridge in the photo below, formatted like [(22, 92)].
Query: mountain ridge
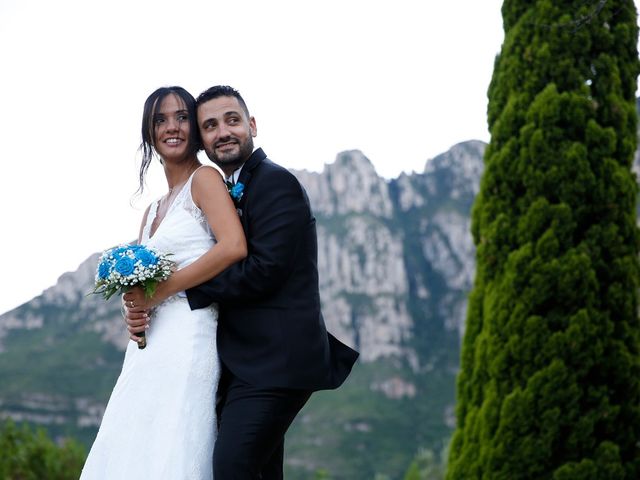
[(396, 262)]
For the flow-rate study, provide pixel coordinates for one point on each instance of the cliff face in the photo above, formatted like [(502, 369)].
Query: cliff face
[(387, 248), (366, 234)]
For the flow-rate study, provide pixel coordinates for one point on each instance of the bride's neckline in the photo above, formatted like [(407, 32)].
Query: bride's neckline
[(178, 188)]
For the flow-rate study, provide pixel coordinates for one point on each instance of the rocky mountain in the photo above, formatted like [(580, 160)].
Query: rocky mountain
[(396, 262)]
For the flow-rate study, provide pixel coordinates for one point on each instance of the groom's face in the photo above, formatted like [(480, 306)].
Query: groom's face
[(227, 132)]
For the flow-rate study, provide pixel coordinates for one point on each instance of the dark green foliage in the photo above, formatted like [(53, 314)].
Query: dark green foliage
[(549, 386), (425, 466), (32, 455)]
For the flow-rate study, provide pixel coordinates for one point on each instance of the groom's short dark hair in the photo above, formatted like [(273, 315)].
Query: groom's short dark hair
[(221, 91)]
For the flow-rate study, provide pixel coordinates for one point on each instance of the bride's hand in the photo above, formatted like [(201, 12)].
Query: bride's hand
[(137, 307), (135, 300), (135, 315)]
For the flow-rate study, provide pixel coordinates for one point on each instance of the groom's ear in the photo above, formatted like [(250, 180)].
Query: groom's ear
[(252, 127)]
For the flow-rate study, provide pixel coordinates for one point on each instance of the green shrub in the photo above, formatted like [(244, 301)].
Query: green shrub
[(29, 454)]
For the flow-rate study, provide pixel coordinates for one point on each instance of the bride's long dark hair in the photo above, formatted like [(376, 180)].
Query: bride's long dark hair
[(148, 114)]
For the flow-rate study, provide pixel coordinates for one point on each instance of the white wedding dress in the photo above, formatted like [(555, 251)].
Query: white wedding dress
[(160, 420)]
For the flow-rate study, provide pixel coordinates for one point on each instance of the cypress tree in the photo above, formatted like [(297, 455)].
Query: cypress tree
[(549, 386)]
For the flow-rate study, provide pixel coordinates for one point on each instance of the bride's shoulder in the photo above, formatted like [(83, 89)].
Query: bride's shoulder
[(204, 176), (206, 171), (207, 181)]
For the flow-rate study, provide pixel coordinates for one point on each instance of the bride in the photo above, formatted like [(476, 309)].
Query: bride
[(173, 380)]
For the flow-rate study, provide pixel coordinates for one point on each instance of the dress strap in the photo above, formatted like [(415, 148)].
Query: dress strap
[(188, 204), (190, 180), (185, 198), (153, 209)]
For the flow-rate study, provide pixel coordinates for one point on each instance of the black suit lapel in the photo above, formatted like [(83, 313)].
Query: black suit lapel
[(245, 176), (254, 160)]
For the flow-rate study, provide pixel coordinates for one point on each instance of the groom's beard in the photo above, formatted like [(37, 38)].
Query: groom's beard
[(231, 160)]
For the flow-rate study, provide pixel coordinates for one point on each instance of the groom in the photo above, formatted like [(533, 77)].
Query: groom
[(272, 340)]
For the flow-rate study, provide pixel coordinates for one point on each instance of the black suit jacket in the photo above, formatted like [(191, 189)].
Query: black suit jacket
[(271, 332)]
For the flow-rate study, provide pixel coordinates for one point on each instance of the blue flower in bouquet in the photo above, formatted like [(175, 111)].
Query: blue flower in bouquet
[(125, 266), (119, 252), (145, 256), (104, 269)]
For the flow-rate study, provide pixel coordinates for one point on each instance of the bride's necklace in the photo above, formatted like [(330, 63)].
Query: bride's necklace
[(179, 185), (172, 189), (165, 203)]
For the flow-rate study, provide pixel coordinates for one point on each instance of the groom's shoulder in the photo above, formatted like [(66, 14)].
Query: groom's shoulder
[(273, 170), (271, 166)]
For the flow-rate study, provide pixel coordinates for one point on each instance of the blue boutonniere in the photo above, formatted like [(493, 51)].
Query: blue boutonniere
[(236, 191)]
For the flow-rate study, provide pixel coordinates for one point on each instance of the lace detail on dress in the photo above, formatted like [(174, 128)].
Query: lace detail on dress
[(180, 297), (185, 200), (167, 301), (197, 214)]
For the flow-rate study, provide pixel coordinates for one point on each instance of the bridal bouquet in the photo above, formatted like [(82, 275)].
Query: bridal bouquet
[(125, 266)]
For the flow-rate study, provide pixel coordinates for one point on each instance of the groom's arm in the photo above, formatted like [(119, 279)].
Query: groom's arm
[(280, 214)]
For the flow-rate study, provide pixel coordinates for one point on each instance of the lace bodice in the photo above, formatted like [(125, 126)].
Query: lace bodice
[(184, 231)]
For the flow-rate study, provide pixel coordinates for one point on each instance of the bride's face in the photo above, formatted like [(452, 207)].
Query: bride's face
[(171, 128)]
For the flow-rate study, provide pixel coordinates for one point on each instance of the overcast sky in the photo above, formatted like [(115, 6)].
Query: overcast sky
[(401, 81)]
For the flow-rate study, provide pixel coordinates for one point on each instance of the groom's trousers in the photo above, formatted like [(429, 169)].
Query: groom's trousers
[(252, 422)]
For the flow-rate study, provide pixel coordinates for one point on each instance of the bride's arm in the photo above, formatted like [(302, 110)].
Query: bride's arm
[(211, 196)]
